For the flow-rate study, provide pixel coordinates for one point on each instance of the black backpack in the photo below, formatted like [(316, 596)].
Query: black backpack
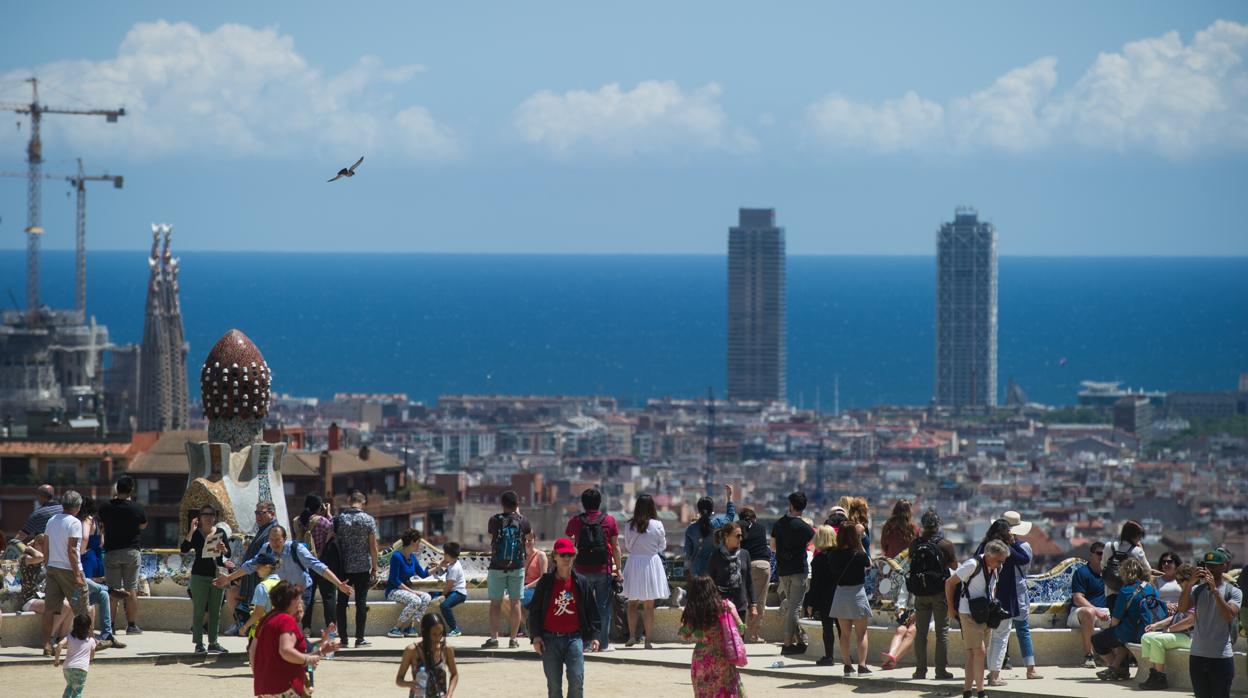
[(1113, 582), (928, 570), (591, 542)]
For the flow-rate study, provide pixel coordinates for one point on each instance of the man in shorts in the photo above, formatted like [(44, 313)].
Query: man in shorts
[(506, 572), (1088, 609), (65, 580), (124, 520)]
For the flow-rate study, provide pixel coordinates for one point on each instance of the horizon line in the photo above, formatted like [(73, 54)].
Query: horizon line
[(527, 253)]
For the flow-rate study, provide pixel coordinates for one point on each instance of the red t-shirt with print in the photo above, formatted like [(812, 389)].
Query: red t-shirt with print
[(561, 614)]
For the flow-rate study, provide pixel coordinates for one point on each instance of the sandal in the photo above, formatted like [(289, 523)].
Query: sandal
[(996, 682), (889, 663), (1031, 673)]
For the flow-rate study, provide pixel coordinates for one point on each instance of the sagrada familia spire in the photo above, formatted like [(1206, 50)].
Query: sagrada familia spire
[(162, 367)]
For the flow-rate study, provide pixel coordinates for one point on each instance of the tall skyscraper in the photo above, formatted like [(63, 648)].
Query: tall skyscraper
[(162, 364), (966, 312), (756, 307)]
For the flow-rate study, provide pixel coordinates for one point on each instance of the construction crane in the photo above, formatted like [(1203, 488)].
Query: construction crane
[(34, 159), (79, 183)]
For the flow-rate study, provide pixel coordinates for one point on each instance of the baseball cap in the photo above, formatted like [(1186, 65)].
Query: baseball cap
[(1216, 556), (564, 546), (265, 559)]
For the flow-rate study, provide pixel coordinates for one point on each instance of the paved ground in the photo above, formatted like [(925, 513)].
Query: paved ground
[(479, 676), (160, 660)]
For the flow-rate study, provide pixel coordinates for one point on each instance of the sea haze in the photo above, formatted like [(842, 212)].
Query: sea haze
[(648, 326)]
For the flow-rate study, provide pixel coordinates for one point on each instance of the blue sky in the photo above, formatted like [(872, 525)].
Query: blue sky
[(1108, 128)]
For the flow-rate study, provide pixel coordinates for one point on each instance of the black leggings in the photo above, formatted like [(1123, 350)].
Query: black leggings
[(829, 635), (329, 599)]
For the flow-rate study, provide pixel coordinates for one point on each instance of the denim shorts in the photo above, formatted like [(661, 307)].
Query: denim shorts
[(499, 581)]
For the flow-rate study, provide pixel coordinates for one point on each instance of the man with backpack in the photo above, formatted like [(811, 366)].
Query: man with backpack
[(295, 565), (1127, 545), (506, 573), (932, 559), (598, 558), (1217, 603)]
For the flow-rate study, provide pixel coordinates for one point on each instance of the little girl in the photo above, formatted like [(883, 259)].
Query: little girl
[(431, 661), (714, 674), (80, 651)]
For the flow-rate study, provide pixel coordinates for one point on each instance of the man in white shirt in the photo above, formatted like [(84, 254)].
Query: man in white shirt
[(65, 580)]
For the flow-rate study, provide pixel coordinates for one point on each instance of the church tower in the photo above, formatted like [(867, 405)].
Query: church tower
[(162, 366)]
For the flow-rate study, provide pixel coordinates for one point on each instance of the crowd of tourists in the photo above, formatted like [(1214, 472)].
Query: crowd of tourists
[(1118, 599), (79, 569)]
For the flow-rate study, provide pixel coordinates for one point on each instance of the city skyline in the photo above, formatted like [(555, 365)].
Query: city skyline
[(1053, 115)]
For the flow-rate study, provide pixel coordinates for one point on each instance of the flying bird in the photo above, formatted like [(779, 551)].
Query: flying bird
[(347, 171)]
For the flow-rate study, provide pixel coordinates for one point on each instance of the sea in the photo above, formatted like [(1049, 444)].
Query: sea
[(637, 327)]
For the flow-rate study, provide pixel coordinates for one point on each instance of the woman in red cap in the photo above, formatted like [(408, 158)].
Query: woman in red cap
[(563, 620)]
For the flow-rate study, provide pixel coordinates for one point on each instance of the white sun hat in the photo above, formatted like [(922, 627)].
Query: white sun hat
[(1017, 526)]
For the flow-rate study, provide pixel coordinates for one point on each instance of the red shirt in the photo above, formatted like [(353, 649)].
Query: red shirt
[(273, 674), (561, 616), (609, 529)]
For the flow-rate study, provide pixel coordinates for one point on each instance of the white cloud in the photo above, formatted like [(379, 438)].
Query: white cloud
[(1164, 96), (1156, 94), (1006, 116), (234, 91), (906, 124), (653, 117)]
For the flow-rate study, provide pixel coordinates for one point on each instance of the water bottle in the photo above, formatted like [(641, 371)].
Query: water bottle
[(422, 680), (333, 635)]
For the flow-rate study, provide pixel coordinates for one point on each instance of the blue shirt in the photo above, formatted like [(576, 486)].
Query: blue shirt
[(1090, 585), (697, 559), (403, 569), (290, 570)]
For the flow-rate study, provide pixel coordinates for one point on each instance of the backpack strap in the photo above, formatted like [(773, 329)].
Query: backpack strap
[(294, 554), (979, 567)]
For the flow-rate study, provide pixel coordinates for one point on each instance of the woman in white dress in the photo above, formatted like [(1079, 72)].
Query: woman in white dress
[(645, 580)]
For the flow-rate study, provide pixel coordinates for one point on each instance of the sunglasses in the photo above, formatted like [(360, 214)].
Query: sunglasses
[(1098, 553), (1167, 561), (565, 554)]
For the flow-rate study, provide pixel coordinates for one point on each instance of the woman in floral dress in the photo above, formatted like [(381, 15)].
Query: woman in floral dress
[(714, 675)]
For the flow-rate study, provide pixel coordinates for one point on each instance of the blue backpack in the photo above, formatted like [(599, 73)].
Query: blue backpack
[(508, 543), (1142, 612)]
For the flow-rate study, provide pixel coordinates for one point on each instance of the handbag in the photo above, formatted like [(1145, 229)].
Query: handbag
[(734, 645)]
